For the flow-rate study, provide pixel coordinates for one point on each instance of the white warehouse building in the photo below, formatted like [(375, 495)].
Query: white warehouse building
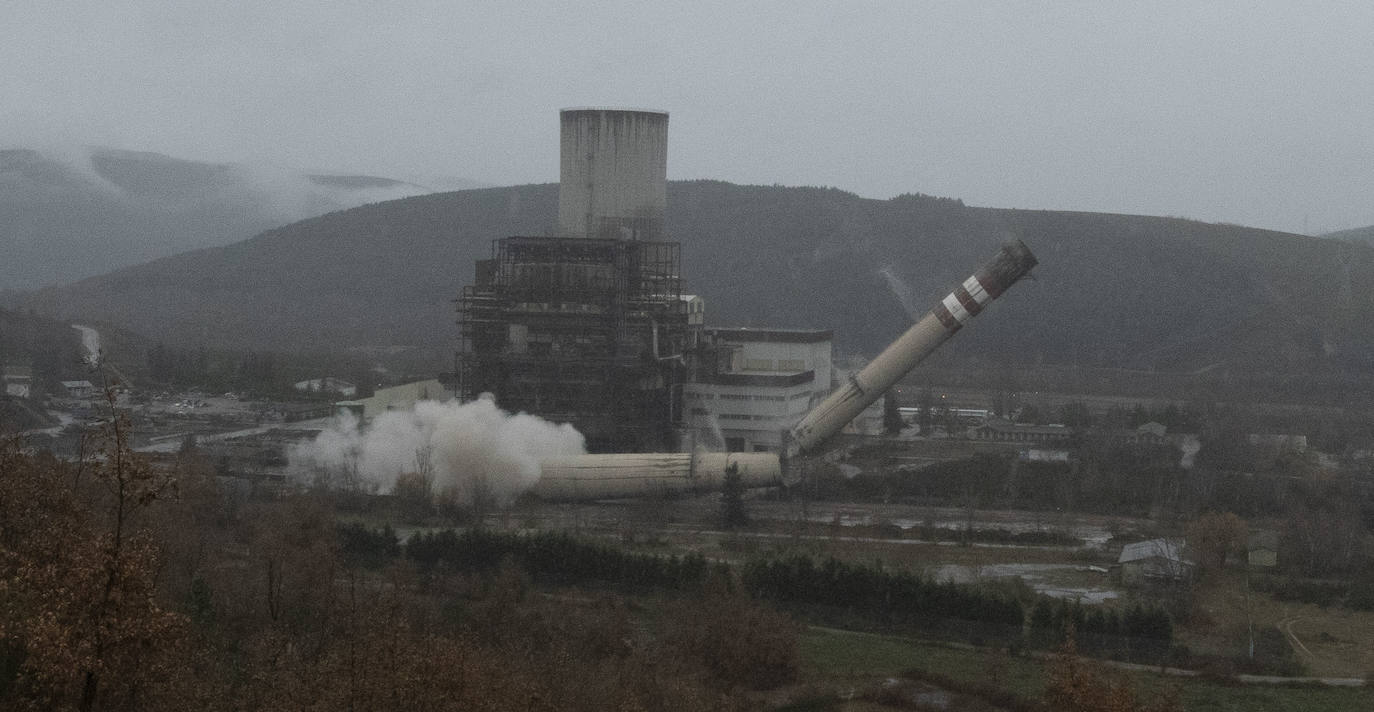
[(757, 384)]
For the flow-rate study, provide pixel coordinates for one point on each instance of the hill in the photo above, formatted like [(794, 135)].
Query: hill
[(1360, 234), (1112, 290), (68, 215), (54, 351)]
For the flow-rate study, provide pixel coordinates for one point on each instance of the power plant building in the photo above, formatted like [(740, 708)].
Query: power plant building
[(592, 327), (588, 327), (602, 476), (751, 385)]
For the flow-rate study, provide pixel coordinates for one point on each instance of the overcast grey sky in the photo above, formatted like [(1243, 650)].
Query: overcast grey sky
[(1259, 113)]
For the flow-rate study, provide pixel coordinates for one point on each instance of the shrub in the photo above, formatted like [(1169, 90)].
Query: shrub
[(736, 639)]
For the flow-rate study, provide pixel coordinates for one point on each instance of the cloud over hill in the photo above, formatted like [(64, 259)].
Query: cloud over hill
[(70, 213)]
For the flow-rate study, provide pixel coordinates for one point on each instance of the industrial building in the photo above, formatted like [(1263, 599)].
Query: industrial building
[(401, 397), (592, 327), (601, 476), (751, 385), (588, 327), (17, 380)]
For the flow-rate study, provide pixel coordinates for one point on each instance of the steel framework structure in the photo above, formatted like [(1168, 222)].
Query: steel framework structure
[(580, 330)]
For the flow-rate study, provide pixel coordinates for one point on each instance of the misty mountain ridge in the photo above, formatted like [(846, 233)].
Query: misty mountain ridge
[(72, 213), (1360, 234), (1120, 291)]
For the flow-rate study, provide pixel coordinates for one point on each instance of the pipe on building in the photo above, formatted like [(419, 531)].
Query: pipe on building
[(1012, 262), (614, 476)]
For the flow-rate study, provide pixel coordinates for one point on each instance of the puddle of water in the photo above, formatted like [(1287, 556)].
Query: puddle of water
[(1093, 535), (1083, 595)]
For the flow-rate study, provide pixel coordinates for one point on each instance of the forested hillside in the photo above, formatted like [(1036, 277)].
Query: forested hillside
[(54, 352), (1112, 290), (50, 348)]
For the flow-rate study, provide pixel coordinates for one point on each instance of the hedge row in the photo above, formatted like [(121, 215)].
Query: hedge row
[(1137, 632), (863, 594), (558, 559), (891, 598), (1356, 595)]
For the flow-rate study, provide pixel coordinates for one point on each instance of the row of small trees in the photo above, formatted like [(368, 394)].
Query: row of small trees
[(831, 587), (890, 598), (1134, 632), (904, 599), (557, 558)]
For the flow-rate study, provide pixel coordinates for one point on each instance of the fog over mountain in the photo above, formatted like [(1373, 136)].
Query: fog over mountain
[(68, 213)]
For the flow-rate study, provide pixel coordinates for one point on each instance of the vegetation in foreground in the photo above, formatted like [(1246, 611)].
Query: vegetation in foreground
[(124, 586), (133, 587), (861, 661)]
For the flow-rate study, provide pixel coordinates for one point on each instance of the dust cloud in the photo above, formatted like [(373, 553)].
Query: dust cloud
[(466, 450)]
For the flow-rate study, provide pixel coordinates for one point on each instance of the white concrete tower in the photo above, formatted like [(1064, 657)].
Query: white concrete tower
[(613, 173)]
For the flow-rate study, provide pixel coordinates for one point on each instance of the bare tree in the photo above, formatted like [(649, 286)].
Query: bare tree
[(1216, 535)]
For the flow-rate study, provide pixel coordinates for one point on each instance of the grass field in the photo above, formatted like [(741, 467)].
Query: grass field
[(1334, 641), (850, 659), (844, 655)]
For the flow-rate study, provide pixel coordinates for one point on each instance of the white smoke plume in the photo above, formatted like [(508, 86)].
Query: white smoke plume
[(901, 291), (468, 449)]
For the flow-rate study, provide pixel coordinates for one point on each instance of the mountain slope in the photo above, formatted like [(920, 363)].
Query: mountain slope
[(68, 215), (1360, 234), (1112, 290), (54, 350)]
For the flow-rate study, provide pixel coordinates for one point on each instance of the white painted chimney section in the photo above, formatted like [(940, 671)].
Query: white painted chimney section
[(1012, 262), (588, 477)]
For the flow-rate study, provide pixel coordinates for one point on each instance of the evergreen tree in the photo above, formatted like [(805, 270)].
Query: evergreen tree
[(892, 415), (733, 512)]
